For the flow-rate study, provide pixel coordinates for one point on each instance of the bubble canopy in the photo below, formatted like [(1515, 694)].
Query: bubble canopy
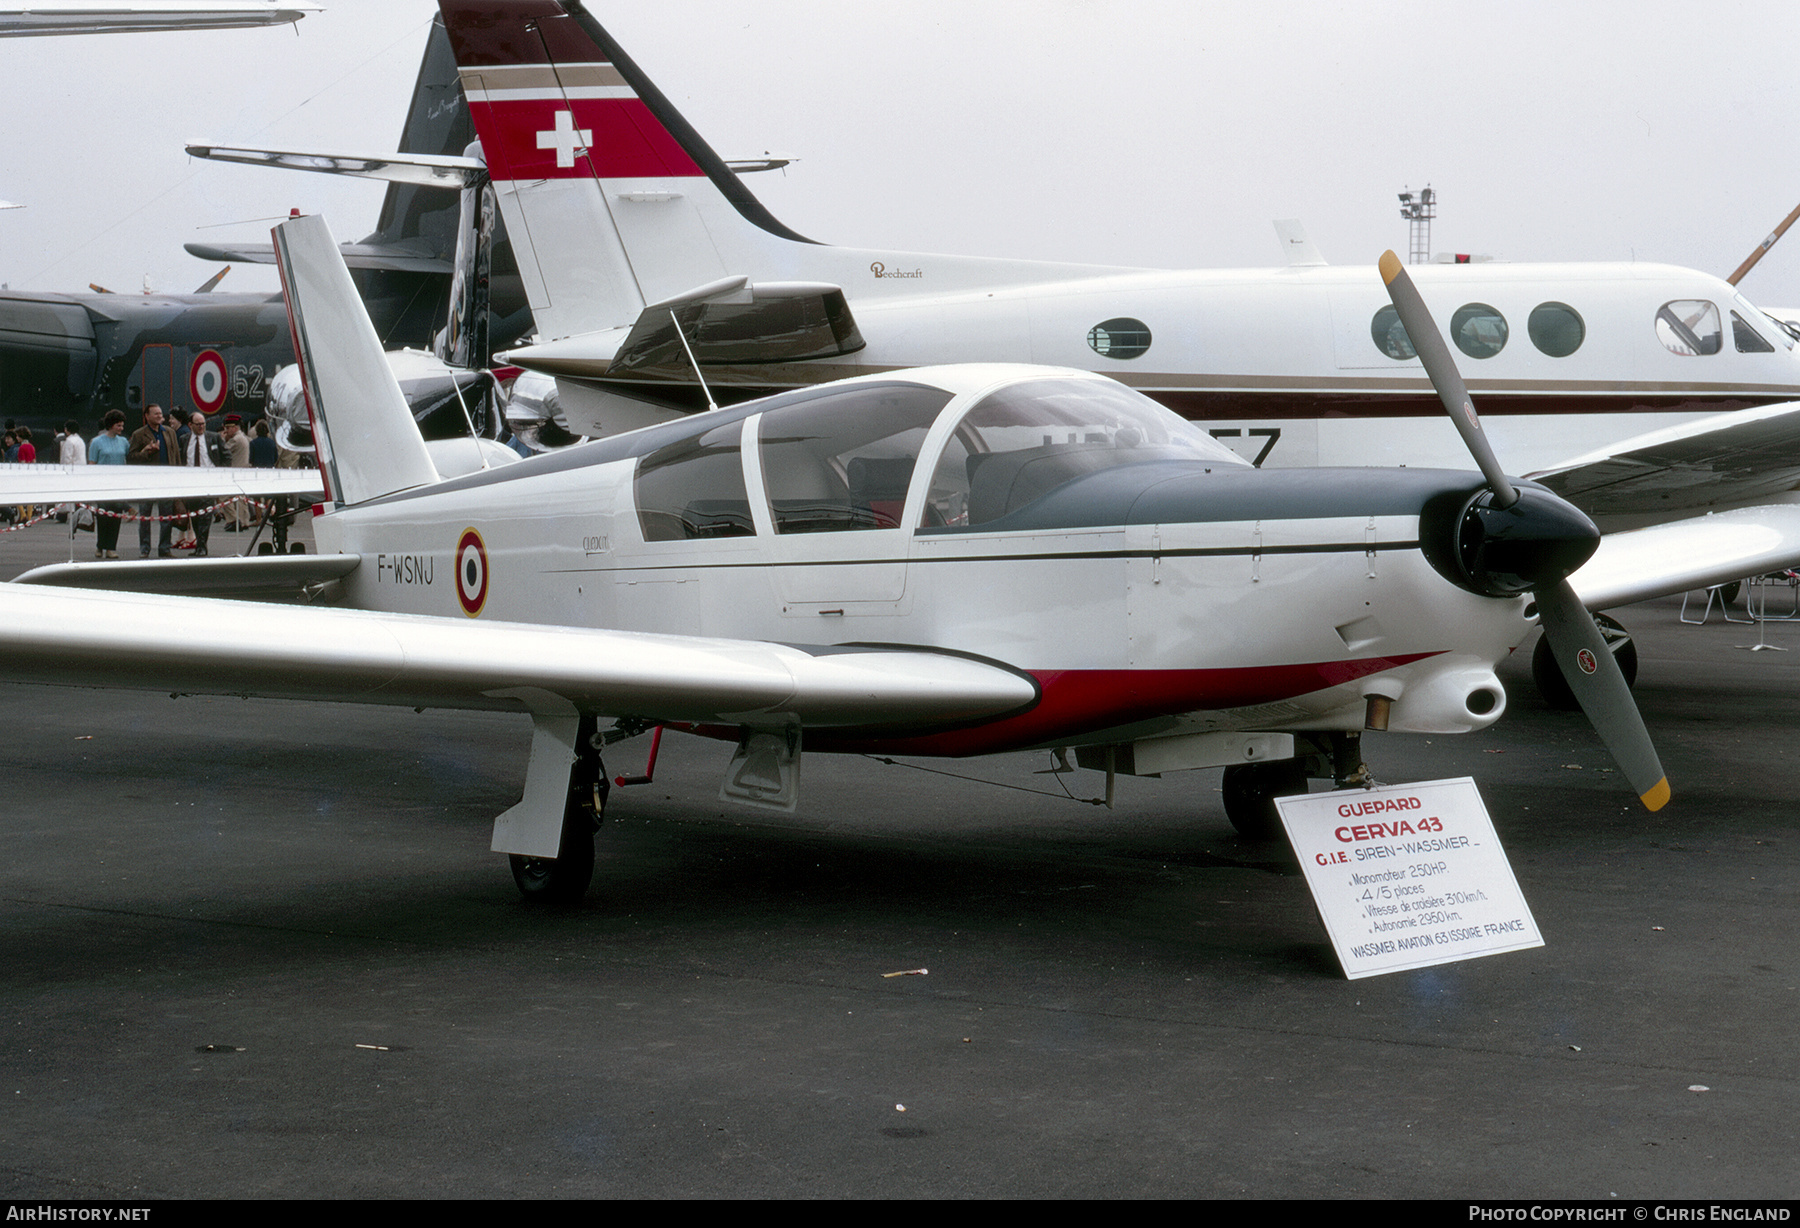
[(843, 459), (1020, 442)]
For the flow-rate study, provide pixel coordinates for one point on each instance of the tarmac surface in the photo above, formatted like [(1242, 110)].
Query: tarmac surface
[(261, 950)]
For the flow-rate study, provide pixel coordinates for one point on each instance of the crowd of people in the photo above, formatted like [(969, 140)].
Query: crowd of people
[(158, 441)]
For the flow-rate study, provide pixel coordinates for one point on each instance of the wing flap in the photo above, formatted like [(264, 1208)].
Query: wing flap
[(147, 642)]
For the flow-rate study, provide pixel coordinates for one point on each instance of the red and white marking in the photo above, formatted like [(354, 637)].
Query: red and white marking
[(471, 572), (207, 382)]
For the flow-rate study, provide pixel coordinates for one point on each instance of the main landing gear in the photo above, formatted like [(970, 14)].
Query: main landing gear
[(1548, 675), (1250, 789), (563, 880)]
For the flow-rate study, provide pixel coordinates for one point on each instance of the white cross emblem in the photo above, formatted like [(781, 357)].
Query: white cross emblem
[(565, 138)]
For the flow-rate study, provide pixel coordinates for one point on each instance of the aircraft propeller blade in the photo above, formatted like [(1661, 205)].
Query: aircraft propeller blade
[(1575, 641), (1600, 688), (1428, 343)]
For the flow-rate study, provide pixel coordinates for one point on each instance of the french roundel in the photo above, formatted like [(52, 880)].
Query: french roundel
[(206, 381), (471, 572)]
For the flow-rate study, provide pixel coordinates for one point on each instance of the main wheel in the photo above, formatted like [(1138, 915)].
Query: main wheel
[(1250, 791), (561, 880), (1548, 675)]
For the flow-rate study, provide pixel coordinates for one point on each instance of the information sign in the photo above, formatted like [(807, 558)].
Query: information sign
[(1406, 876)]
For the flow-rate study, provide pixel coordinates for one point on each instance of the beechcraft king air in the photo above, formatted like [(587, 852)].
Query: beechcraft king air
[(949, 561), (622, 213), (1643, 393)]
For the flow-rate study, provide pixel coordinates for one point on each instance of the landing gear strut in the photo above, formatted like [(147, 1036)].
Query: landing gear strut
[(1250, 789), (563, 879)]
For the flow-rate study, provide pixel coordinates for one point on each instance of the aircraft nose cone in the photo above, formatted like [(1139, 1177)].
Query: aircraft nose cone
[(1537, 541)]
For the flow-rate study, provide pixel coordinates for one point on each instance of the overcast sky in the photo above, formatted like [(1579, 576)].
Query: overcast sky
[(1152, 134)]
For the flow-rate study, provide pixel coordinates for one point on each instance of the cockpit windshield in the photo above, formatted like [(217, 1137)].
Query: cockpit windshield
[(1022, 442)]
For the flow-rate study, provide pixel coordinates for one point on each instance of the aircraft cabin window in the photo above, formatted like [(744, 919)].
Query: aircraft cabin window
[(1120, 338), (1020, 443), (1556, 329), (695, 488), (842, 462), (1479, 330), (1766, 325), (1746, 338), (1689, 327), (1390, 335)]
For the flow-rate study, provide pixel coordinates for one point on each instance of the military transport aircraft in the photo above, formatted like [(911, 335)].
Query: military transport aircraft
[(948, 561)]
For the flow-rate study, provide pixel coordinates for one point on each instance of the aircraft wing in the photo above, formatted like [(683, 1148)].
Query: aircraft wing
[(420, 170), (92, 17), (143, 483), (1724, 459), (1696, 553), (146, 642), (253, 576)]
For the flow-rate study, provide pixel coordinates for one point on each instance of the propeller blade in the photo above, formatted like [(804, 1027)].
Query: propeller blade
[(1428, 343), (1601, 690)]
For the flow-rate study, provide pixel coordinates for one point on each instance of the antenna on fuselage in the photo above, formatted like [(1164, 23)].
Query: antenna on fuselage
[(710, 403)]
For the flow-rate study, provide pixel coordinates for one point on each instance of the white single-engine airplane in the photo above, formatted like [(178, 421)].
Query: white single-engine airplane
[(950, 561)]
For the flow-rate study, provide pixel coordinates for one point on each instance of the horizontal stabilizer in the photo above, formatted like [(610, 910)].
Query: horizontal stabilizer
[(144, 17), (262, 575), (388, 257), (1689, 554), (420, 170), (138, 483), (146, 642), (729, 321)]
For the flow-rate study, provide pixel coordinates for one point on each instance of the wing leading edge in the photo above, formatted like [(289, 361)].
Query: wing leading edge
[(143, 642)]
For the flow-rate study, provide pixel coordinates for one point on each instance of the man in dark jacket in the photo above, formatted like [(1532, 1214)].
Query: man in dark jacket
[(154, 443)]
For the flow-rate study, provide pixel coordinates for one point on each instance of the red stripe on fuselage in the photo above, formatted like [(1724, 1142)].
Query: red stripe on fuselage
[(625, 141), (1079, 702)]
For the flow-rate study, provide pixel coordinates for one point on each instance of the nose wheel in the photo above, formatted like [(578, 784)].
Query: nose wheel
[(1250, 790)]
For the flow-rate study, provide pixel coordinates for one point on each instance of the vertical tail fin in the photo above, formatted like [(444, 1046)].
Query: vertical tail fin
[(587, 154), (367, 442)]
